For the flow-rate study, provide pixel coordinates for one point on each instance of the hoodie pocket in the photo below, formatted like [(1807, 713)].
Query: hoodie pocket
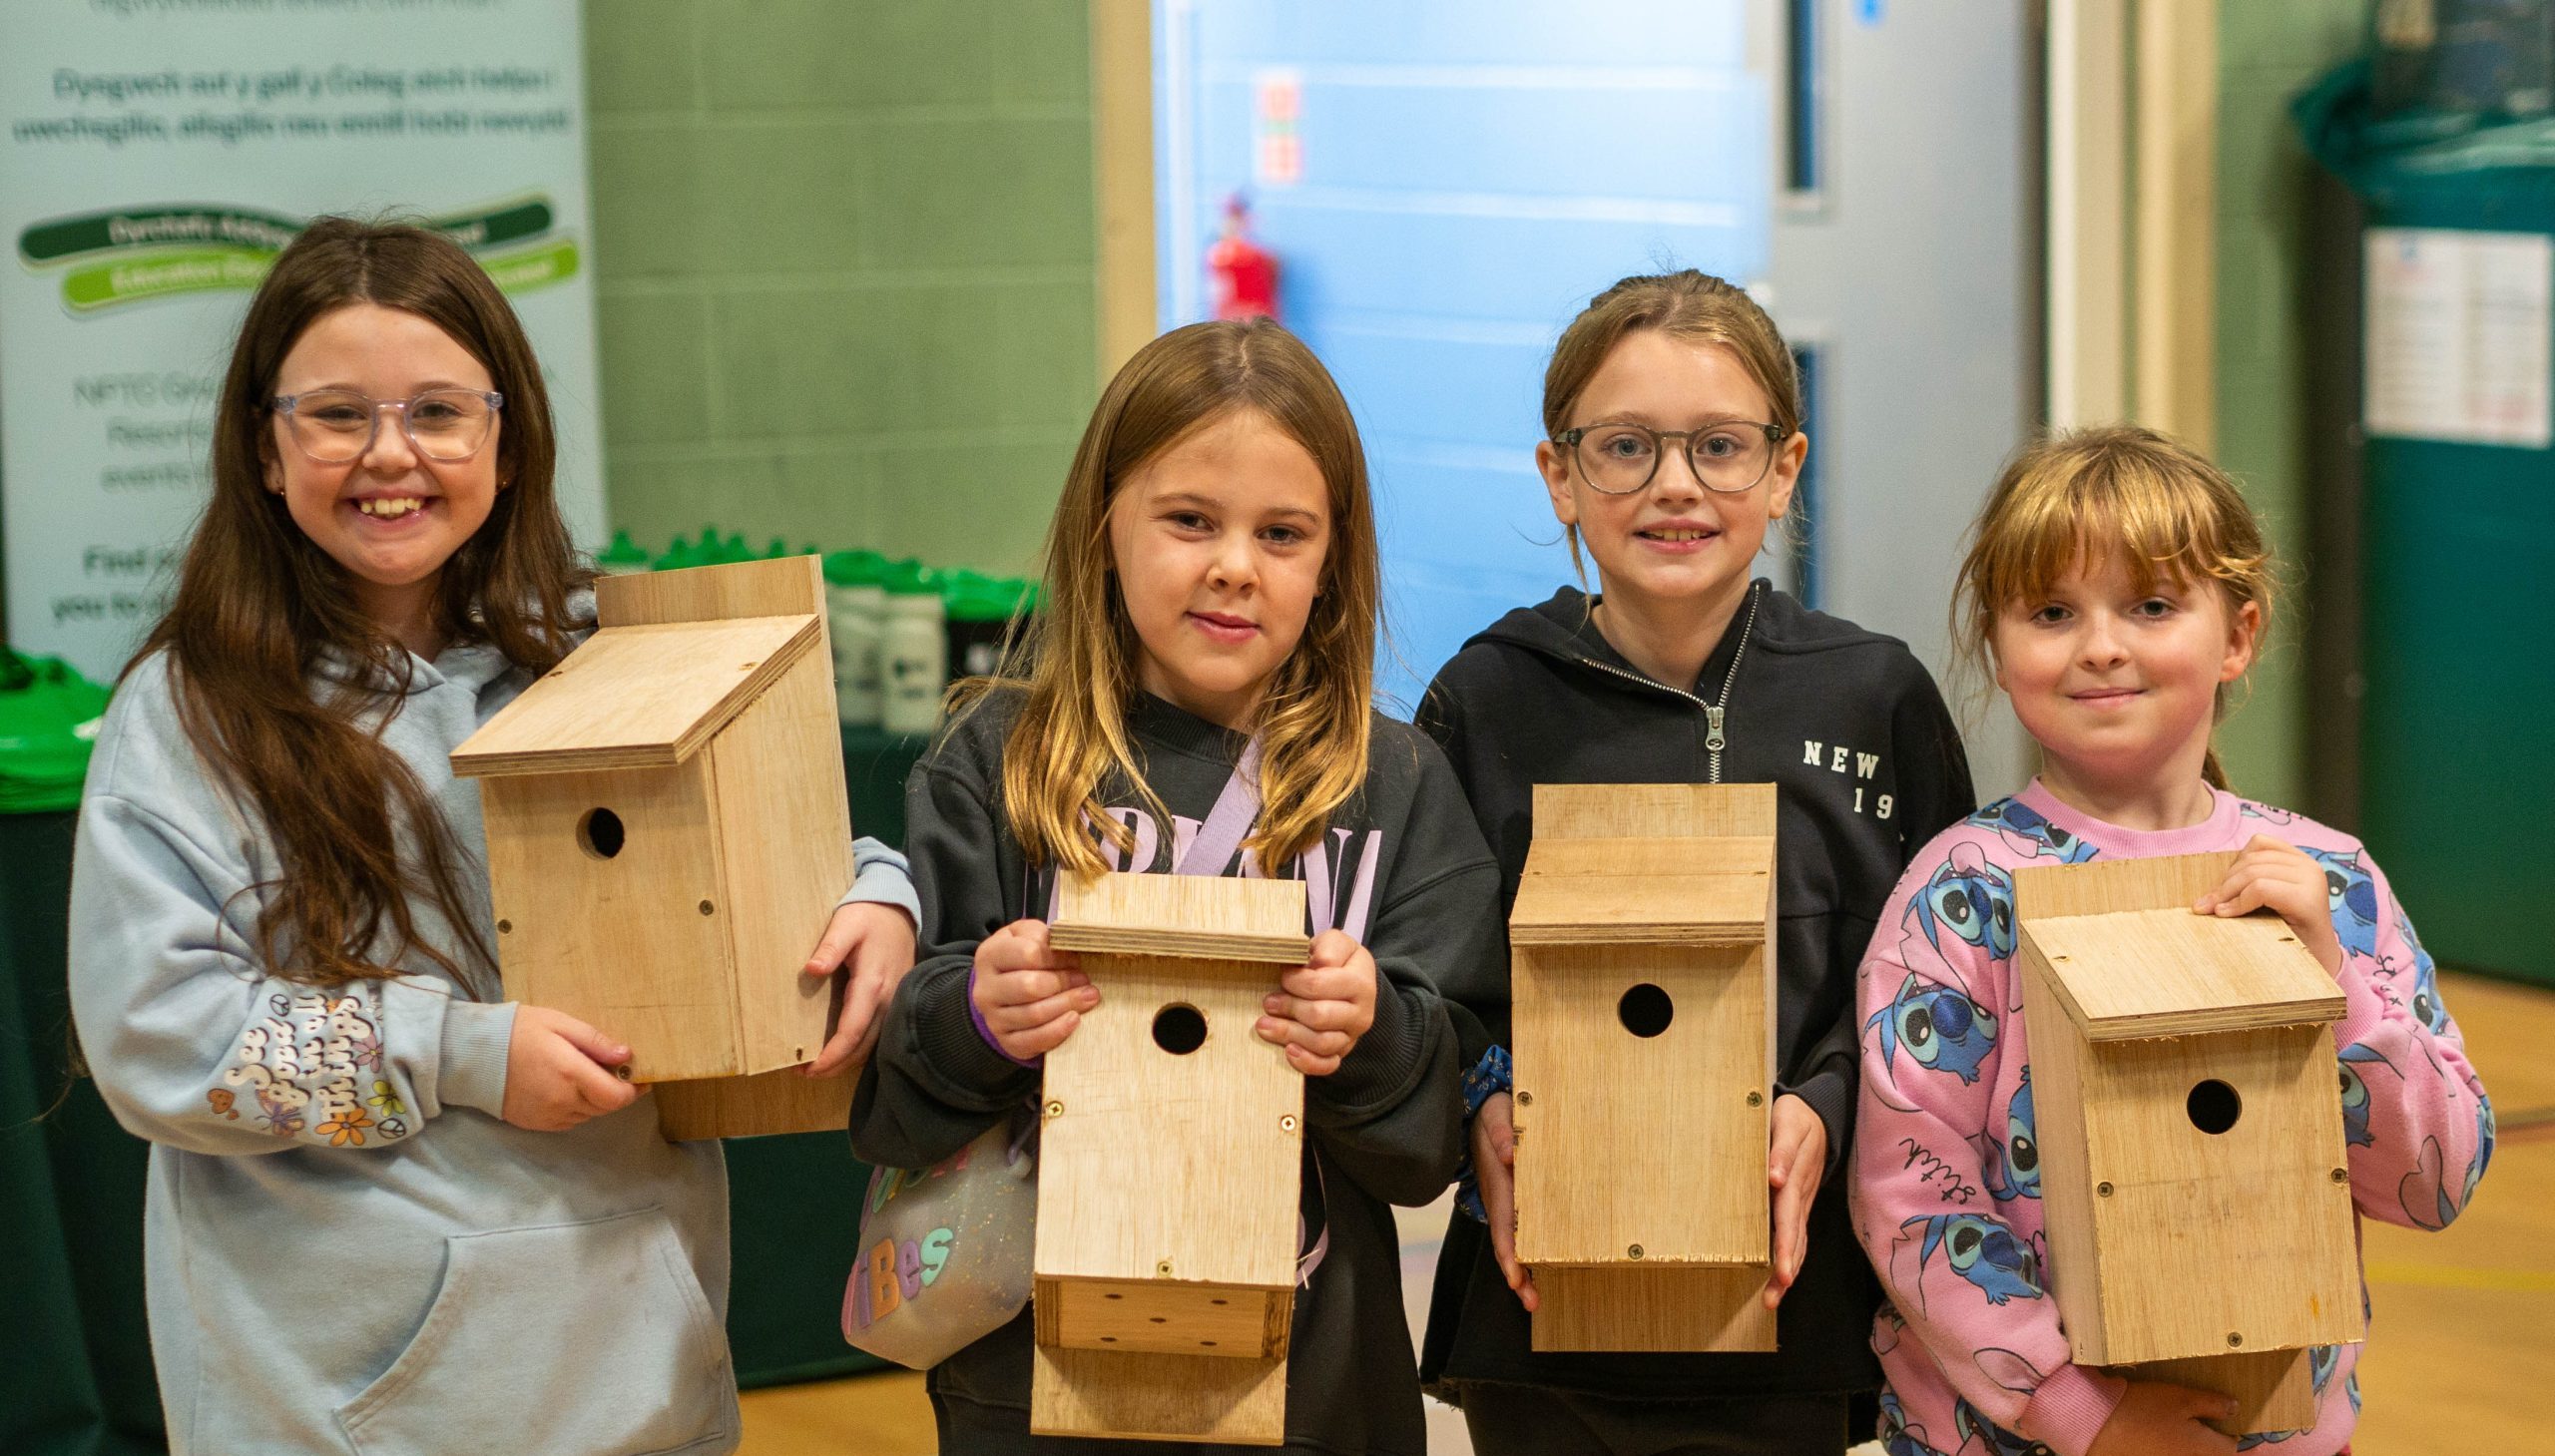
[(589, 1338)]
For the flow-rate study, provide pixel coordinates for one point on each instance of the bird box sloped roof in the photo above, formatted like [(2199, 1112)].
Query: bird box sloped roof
[(639, 697), (2117, 942)]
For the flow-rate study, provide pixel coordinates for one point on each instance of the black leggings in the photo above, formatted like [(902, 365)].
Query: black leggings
[(1531, 1421)]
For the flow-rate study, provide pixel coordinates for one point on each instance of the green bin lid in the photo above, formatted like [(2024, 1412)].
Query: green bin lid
[(623, 552), (854, 568), (974, 597), (47, 721)]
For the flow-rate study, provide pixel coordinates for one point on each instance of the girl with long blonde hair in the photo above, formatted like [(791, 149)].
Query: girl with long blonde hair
[(1208, 638), (2116, 586)]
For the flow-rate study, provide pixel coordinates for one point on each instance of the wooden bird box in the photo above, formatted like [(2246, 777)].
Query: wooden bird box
[(1642, 984), (1169, 1165), (668, 834), (2196, 1194)]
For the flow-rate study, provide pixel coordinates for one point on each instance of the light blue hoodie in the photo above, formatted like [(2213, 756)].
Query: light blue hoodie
[(346, 1249)]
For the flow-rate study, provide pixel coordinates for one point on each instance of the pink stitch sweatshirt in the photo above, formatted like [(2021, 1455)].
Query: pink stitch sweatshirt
[(1946, 1158)]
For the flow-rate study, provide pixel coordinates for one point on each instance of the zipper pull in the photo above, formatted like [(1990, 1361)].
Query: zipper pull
[(1712, 739)]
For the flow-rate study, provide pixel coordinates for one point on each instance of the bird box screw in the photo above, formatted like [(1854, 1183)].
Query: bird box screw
[(505, 927), (1162, 1268), (2341, 1175), (1286, 1124), (708, 909), (1756, 1099), (1633, 1252), (1525, 1099), (1056, 1108), (2233, 1340), (2103, 1190)]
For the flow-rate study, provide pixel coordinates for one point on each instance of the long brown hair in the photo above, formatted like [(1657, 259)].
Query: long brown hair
[(1076, 664), (1688, 305), (2119, 492), (282, 682)]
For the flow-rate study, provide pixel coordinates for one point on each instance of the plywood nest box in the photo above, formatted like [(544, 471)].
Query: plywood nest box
[(1642, 987), (1169, 1165), (668, 834), (2197, 1196)]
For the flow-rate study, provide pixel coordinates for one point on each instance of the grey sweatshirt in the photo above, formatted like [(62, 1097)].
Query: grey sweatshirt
[(346, 1251)]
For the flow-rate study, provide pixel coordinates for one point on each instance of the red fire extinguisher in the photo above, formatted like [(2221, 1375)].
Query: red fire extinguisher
[(1243, 274)]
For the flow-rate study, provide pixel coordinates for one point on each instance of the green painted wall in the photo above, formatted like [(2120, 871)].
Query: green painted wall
[(844, 268), (2268, 50)]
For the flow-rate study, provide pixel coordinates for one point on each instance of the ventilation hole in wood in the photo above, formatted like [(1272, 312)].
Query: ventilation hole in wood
[(2214, 1107), (1162, 1319), (1646, 1010), (1210, 1345), (1109, 1340), (1179, 1028), (1113, 1296), (599, 833), (1220, 1302)]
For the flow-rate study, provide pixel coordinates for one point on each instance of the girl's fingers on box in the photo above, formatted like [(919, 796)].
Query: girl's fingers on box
[(1329, 949), (1320, 1015), (1309, 1064), (1036, 1043), (1024, 1015)]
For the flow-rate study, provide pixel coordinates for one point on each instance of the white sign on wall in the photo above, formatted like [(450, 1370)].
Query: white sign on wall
[(154, 156), (2459, 340)]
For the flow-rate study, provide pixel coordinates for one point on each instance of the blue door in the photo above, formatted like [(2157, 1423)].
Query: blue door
[(1445, 185)]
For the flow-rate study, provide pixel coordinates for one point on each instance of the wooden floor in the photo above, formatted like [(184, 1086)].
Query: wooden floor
[(2461, 1354)]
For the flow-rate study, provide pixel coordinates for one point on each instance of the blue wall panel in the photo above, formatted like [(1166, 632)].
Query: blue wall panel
[(1471, 174)]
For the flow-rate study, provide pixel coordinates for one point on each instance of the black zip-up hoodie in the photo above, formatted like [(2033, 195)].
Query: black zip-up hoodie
[(1388, 1127), (1868, 767)]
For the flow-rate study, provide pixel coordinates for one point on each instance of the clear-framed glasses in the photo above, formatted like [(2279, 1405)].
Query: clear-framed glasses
[(334, 426), (1619, 459)]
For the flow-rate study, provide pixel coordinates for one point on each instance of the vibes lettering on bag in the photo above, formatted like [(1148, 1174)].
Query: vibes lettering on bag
[(897, 1272)]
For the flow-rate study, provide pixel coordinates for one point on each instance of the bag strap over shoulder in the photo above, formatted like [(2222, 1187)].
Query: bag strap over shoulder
[(1230, 821)]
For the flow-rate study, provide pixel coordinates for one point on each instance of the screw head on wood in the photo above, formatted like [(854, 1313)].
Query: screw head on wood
[(2103, 1190), (1525, 1099), (1162, 1268), (505, 927), (1056, 1108), (2341, 1175), (1286, 1124), (1756, 1099), (2233, 1340), (1633, 1252), (708, 909)]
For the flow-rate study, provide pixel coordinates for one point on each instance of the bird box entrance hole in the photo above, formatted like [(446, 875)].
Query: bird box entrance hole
[(2213, 1106), (1646, 1010), (1179, 1028), (599, 833)]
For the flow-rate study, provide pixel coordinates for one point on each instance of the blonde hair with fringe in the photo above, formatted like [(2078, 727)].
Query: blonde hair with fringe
[(1076, 663), (2116, 492)]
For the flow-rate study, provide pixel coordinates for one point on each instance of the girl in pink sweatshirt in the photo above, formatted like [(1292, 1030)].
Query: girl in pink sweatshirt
[(2116, 585)]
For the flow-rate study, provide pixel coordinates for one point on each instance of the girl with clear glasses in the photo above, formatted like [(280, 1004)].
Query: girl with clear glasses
[(1673, 442)]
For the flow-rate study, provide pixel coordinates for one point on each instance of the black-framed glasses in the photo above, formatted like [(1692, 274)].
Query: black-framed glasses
[(1619, 459), (334, 426)]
